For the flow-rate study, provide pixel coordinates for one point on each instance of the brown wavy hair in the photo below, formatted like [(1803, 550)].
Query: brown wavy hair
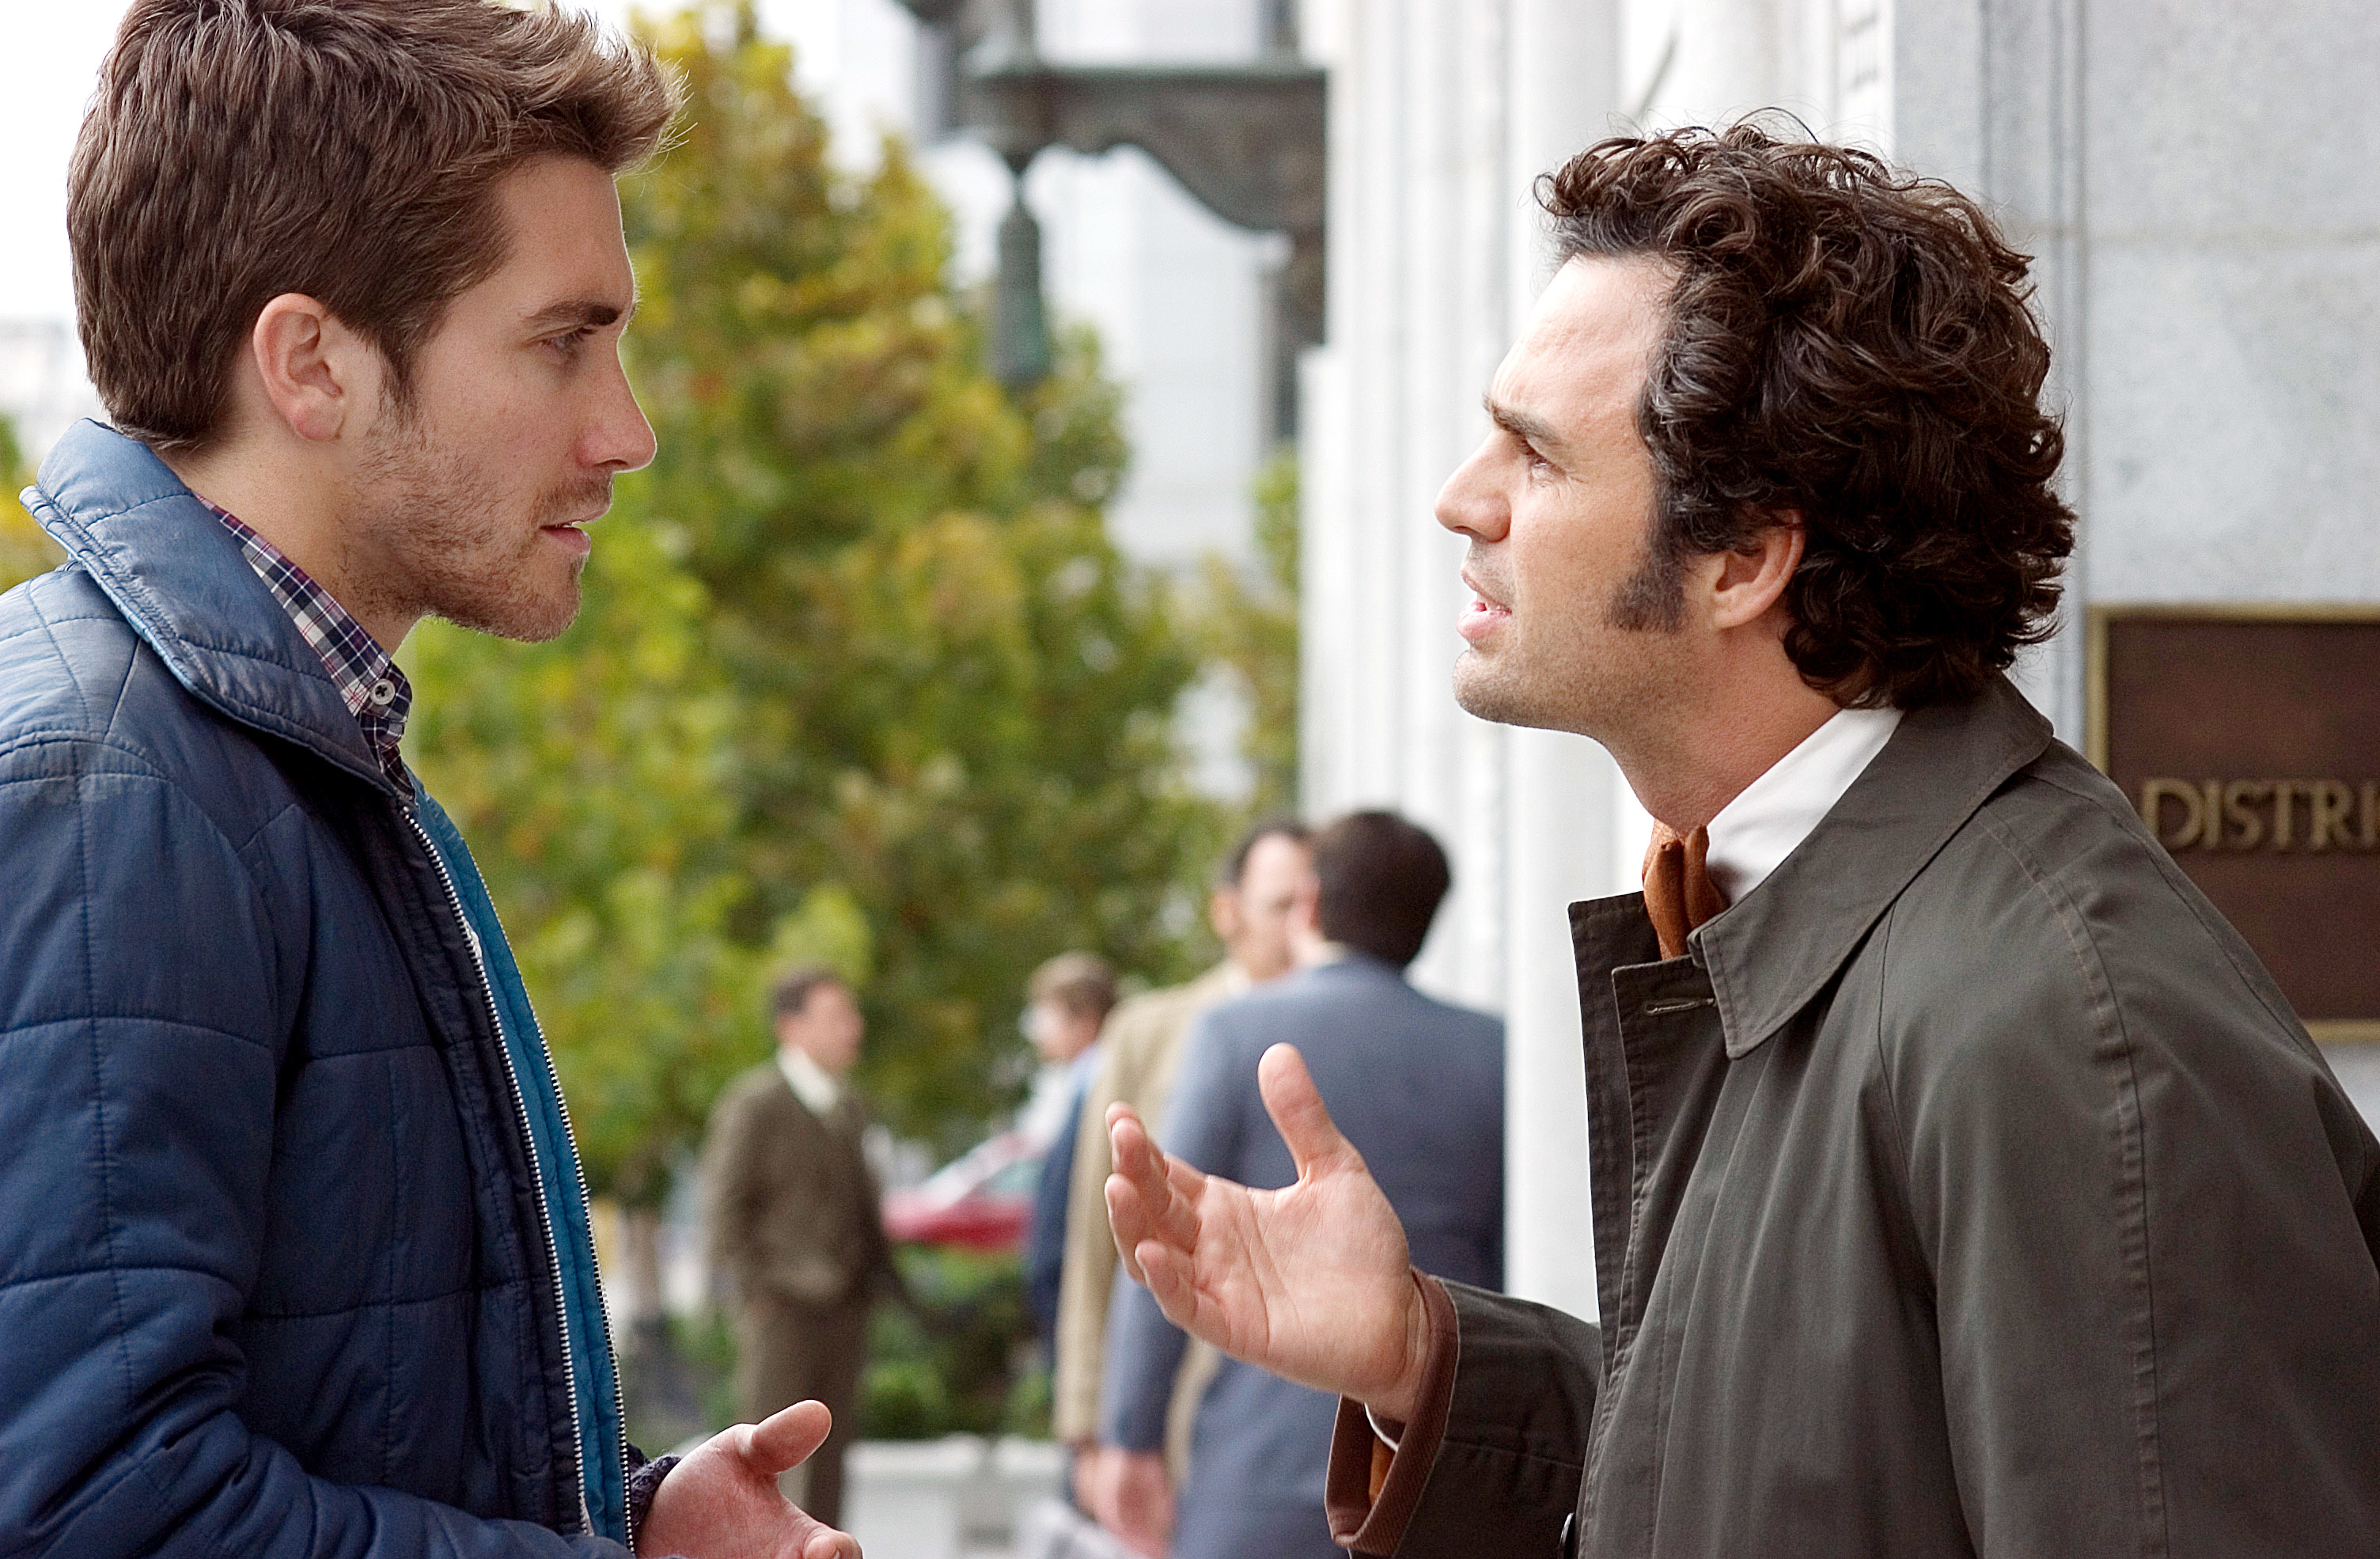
[(1854, 345), (345, 149)]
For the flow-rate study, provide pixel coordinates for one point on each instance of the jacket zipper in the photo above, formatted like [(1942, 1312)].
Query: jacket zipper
[(602, 1312), (544, 1214)]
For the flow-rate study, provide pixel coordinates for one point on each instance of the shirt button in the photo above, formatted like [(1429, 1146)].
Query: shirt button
[(383, 692)]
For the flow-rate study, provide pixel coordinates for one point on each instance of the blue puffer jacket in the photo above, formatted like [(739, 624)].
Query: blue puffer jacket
[(274, 1272)]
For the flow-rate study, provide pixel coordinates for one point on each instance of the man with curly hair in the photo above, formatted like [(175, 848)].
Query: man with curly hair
[(1960, 1182)]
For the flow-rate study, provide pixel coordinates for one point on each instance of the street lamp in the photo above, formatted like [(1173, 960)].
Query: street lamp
[(1245, 139)]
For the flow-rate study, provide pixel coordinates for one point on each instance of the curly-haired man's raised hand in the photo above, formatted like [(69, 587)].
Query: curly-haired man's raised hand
[(1311, 1281)]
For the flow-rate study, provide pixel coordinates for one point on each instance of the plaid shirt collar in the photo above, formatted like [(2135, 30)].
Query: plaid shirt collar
[(376, 692)]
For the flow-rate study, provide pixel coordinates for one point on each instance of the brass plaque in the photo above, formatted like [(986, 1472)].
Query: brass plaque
[(2249, 738)]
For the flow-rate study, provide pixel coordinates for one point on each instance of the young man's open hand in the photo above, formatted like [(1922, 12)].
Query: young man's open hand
[(721, 1502)]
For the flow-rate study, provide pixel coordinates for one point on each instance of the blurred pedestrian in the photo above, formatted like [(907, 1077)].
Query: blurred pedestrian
[(1256, 892), (1069, 1000), (1417, 1086), (295, 1251), (795, 1221)]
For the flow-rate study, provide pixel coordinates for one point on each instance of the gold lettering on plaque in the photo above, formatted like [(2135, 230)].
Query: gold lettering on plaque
[(2327, 804), (2265, 813), (2154, 794), (2249, 828)]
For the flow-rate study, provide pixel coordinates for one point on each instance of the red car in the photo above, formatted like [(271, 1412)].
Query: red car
[(981, 1201)]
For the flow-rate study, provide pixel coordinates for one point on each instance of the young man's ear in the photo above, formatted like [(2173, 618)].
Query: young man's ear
[(1747, 584), (316, 374)]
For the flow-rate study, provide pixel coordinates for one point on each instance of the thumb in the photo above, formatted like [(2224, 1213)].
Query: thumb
[(1299, 1115), (787, 1437)]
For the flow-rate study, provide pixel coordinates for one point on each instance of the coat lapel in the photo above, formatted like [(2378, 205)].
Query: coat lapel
[(1769, 955)]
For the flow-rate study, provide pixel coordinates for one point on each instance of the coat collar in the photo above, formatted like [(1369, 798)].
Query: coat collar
[(1770, 953), (178, 576)]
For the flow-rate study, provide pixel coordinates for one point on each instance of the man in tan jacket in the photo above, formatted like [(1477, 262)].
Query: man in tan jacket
[(795, 1221), (1250, 909)]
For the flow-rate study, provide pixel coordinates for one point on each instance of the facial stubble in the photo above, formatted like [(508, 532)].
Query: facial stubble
[(1651, 600), (451, 545)]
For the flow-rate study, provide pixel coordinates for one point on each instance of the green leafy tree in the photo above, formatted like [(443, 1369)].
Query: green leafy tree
[(1247, 622), (960, 696), (24, 550)]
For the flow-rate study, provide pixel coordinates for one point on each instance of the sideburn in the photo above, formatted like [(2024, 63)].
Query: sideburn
[(1653, 598)]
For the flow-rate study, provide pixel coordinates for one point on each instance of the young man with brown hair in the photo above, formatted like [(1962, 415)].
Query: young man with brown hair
[(1962, 1185), (297, 1258)]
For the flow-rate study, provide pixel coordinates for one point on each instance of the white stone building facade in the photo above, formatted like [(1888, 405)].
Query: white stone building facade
[(2193, 177)]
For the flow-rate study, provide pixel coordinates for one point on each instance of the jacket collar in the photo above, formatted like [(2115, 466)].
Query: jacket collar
[(178, 576), (1770, 953)]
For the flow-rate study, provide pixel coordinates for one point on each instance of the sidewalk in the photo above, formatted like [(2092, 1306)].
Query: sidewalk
[(963, 1497)]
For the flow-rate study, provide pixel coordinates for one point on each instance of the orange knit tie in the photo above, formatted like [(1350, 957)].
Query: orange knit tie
[(1679, 893)]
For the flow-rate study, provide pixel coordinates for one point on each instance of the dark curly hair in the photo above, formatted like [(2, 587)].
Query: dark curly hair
[(1855, 346)]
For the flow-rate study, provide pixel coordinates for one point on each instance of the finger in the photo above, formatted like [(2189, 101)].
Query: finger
[(787, 1437), (1167, 1274), (1130, 1148), (828, 1543), (1297, 1112), (1170, 1214), (1128, 1221), (1186, 1183), (1167, 1189)]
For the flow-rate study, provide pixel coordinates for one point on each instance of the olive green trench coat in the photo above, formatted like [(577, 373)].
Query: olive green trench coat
[(1969, 1188)]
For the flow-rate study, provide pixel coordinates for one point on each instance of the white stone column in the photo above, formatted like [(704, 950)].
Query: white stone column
[(1561, 791), (1442, 114)]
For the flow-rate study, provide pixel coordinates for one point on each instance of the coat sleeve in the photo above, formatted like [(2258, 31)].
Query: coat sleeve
[(144, 1010), (2135, 1186), (1493, 1460)]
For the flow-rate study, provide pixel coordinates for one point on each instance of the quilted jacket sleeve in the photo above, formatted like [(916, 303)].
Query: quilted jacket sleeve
[(143, 1006)]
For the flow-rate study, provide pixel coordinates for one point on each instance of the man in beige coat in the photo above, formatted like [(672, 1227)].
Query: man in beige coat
[(795, 1221), (1254, 895)]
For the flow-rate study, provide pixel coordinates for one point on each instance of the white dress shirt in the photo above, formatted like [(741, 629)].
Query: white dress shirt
[(1754, 832), (818, 1089)]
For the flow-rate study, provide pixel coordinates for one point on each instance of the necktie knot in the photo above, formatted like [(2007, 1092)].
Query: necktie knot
[(1679, 893)]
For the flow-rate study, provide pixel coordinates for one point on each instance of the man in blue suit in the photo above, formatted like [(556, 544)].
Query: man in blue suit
[(1417, 1086)]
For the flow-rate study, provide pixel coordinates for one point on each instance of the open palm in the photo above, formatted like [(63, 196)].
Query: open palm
[(721, 1502), (1312, 1282)]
